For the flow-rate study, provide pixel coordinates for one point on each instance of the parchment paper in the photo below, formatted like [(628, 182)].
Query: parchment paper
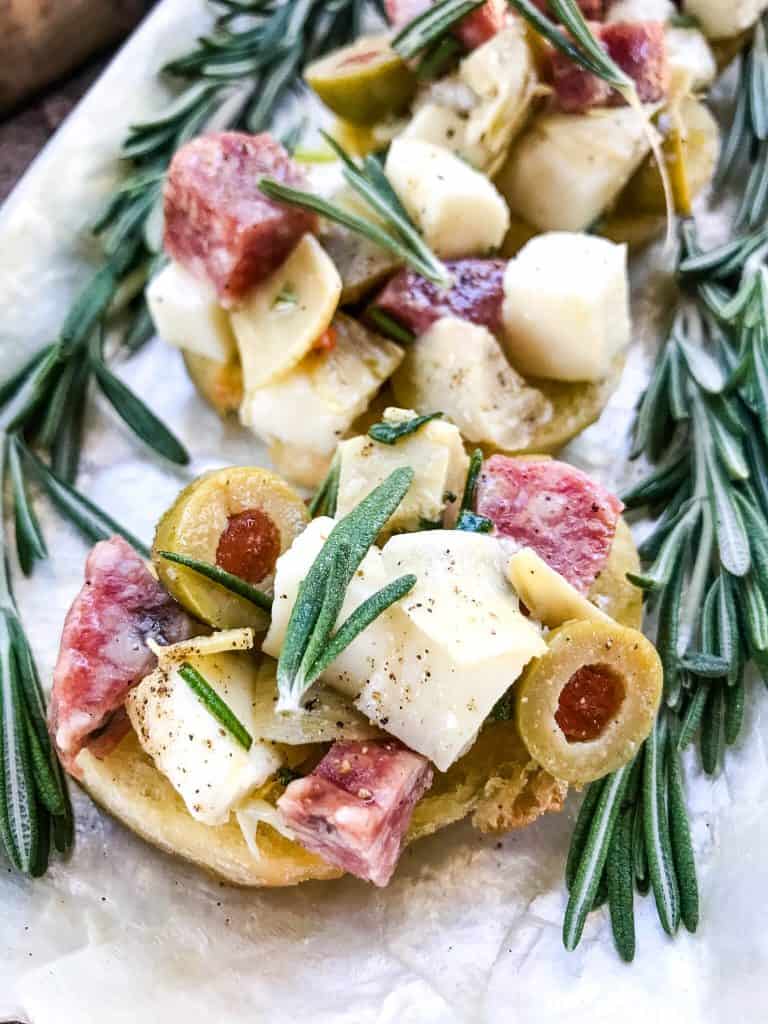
[(470, 928)]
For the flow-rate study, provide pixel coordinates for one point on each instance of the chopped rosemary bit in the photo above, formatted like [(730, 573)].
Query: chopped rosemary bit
[(398, 235), (389, 327), (234, 584), (310, 643), (391, 433), (324, 501), (285, 299), (285, 775), (220, 710), (469, 520)]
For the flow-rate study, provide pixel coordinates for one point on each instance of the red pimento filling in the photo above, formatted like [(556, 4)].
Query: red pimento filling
[(589, 701), (249, 546)]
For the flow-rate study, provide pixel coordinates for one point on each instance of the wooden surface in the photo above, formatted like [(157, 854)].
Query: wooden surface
[(51, 35)]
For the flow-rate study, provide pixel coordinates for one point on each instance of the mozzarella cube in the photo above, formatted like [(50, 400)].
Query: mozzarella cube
[(460, 368), (186, 313), (566, 169), (456, 208), (201, 759), (280, 320), (566, 306), (367, 651), (436, 454), (461, 642), (314, 404), (550, 598), (719, 20)]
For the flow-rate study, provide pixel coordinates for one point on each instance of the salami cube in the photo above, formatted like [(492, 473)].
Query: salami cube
[(567, 518), (477, 295), (638, 48), (218, 224), (354, 809), (473, 30), (104, 651)]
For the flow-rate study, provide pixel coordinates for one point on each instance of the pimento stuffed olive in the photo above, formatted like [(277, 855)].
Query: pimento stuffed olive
[(241, 519), (585, 706)]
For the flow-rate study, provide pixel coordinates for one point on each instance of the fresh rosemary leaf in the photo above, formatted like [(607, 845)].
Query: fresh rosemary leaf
[(639, 855), (754, 612), (90, 306), (675, 509), (9, 388), (359, 620), (659, 484), (734, 141), (570, 14), (652, 412), (679, 406), (620, 878), (42, 852), (680, 838), (593, 856), (324, 501), (438, 59), (67, 444), (758, 82), (657, 839), (46, 783), (712, 737), (581, 831), (220, 710), (366, 228), (554, 35), (470, 487), (471, 522), (138, 416), (88, 518), (33, 392), (352, 536), (708, 666), (668, 631), (734, 711), (331, 600), (667, 561), (229, 581), (728, 627), (693, 715), (733, 543), (388, 326), (18, 805), (391, 433), (704, 369), (434, 23), (30, 543)]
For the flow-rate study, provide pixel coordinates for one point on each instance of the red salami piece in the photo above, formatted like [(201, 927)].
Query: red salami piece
[(473, 30), (218, 224), (104, 650), (477, 295), (354, 809), (639, 49), (567, 518)]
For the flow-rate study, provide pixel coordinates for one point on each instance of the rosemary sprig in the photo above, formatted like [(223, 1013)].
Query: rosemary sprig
[(391, 433), (234, 78), (325, 498), (432, 26), (398, 234), (702, 422), (468, 519), (220, 710), (229, 581), (309, 639)]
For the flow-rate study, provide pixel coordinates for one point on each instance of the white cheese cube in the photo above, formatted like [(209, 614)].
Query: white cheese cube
[(314, 405), (456, 208), (566, 169), (640, 10), (201, 759), (691, 61), (280, 320), (548, 596), (436, 454), (719, 20), (186, 313), (460, 369), (566, 306), (462, 642), (372, 647)]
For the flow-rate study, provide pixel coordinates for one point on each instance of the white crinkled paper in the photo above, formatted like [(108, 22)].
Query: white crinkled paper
[(470, 928)]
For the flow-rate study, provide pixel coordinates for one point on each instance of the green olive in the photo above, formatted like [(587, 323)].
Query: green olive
[(240, 518), (585, 707), (364, 82)]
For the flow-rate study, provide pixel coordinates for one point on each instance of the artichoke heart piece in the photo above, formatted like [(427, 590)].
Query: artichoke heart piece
[(363, 82), (585, 707)]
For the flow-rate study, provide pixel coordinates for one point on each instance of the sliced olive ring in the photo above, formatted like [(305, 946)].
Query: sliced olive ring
[(585, 707), (240, 518)]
